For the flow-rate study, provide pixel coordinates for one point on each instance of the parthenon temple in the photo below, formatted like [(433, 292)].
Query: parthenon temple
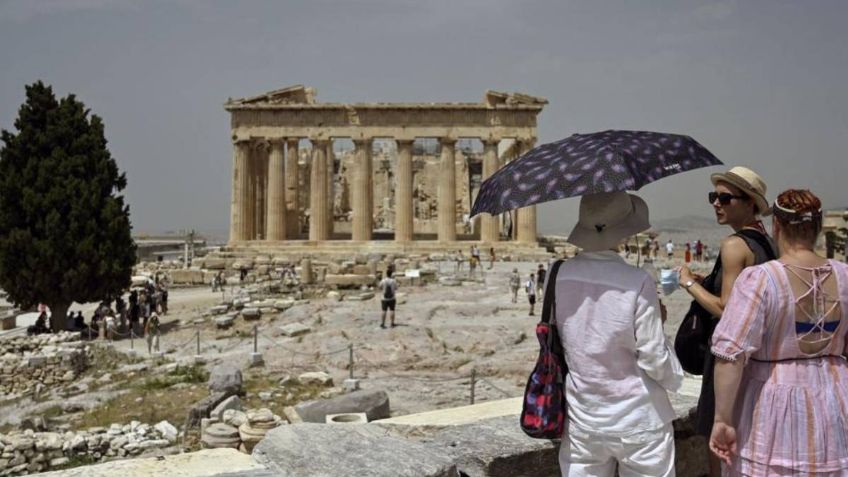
[(384, 176)]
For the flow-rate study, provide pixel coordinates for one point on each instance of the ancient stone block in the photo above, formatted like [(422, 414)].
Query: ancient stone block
[(225, 378), (220, 435), (225, 321), (374, 403), (295, 329), (251, 313), (316, 377), (232, 402), (203, 407), (312, 450), (350, 281)]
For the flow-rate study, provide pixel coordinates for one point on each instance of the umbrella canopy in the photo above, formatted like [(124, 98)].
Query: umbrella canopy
[(583, 164)]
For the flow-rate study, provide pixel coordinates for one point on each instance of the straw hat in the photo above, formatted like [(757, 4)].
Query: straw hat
[(608, 218), (749, 182)]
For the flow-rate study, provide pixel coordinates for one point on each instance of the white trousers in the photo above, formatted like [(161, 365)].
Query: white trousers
[(651, 453)]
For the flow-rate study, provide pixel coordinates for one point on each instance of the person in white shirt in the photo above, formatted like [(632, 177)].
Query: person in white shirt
[(621, 367), (669, 249), (530, 289)]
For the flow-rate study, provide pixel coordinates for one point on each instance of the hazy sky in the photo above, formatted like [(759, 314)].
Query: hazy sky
[(759, 83)]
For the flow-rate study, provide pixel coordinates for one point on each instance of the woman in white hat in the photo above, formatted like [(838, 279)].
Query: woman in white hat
[(610, 322), (738, 200)]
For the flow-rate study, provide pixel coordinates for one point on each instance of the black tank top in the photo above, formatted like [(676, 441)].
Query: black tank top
[(761, 245)]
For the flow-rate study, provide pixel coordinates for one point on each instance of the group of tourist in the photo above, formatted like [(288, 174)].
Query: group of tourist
[(474, 260), (533, 286), (773, 400)]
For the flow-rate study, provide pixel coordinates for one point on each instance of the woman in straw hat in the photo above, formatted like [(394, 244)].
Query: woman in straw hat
[(610, 322), (738, 200), (781, 378)]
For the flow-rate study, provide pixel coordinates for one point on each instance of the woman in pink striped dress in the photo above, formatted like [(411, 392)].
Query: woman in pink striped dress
[(781, 382)]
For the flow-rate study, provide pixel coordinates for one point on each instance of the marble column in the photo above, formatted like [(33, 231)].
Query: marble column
[(363, 191), (275, 221), (318, 200), (330, 184), (261, 175), (238, 204), (403, 193), (491, 231), (251, 193), (526, 215), (447, 191), (292, 173)]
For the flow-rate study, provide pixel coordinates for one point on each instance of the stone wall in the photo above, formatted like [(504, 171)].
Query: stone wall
[(27, 364), (24, 452)]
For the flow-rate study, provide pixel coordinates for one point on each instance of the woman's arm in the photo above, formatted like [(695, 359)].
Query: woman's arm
[(735, 256), (728, 375)]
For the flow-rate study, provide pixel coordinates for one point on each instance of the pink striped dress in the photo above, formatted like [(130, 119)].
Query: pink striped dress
[(791, 413)]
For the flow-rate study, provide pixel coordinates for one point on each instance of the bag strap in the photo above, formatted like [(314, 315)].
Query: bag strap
[(550, 292), (749, 235)]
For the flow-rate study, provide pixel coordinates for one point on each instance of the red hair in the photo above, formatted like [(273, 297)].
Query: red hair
[(799, 213)]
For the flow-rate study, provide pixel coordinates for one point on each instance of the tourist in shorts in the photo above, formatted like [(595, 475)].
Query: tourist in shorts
[(514, 284), (388, 289), (540, 280), (669, 249), (530, 290)]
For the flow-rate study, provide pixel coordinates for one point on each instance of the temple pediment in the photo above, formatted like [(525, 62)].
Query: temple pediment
[(494, 98), (297, 94)]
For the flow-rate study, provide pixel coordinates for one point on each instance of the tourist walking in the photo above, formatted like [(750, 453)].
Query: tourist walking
[(514, 284), (610, 322), (152, 332), (109, 324), (473, 260), (669, 249), (388, 287), (738, 200), (540, 280), (781, 378), (491, 257), (530, 290), (459, 258), (687, 255), (699, 251)]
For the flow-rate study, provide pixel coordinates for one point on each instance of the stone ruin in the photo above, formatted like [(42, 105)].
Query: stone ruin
[(29, 364), (28, 451)]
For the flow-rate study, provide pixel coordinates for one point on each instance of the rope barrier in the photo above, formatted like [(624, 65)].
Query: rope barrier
[(354, 355), (492, 385), (413, 378)]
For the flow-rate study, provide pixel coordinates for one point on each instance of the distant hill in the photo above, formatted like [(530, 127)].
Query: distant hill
[(684, 224)]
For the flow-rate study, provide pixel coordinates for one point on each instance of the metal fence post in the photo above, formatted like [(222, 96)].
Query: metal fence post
[(350, 360), (132, 341), (198, 342), (473, 383), (255, 338)]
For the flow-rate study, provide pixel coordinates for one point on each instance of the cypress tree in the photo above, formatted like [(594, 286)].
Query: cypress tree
[(64, 228)]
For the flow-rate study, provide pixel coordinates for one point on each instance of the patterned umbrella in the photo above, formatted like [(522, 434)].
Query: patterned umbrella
[(583, 164)]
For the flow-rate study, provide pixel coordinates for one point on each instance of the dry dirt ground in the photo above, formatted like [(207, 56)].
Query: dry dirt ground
[(424, 363)]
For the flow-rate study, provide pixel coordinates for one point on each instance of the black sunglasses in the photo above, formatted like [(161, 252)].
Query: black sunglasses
[(724, 198)]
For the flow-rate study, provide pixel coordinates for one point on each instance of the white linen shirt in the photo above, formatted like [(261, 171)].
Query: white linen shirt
[(620, 363)]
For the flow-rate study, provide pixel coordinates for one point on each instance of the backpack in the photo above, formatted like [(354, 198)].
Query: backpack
[(388, 291)]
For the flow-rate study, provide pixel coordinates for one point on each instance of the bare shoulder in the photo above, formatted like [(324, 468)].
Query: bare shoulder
[(734, 250)]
